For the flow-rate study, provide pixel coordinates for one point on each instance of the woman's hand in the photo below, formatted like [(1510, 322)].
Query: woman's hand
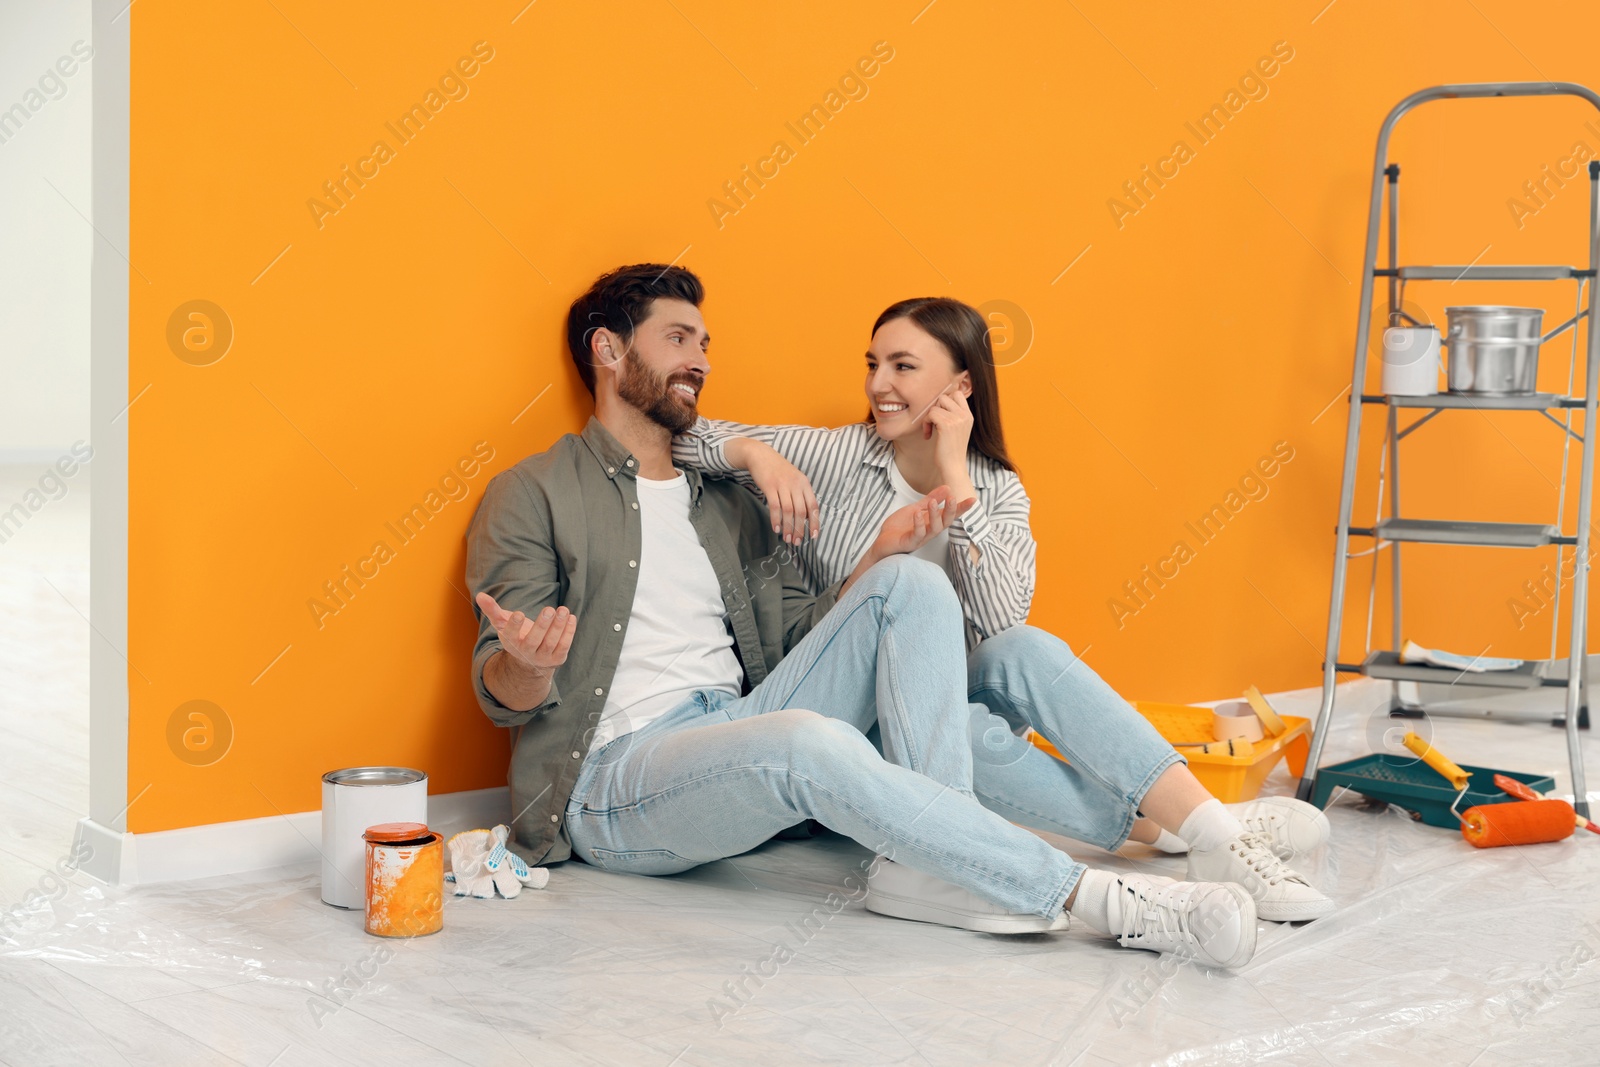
[(910, 528), (949, 423), (914, 525), (789, 497)]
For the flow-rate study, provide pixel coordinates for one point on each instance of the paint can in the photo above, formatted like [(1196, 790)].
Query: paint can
[(352, 800), (1411, 362), (405, 880)]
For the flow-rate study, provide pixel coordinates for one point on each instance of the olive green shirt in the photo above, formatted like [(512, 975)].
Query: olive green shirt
[(562, 528)]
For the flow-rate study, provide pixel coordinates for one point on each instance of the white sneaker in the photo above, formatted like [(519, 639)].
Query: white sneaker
[(1248, 860), (906, 893), (1211, 922), (1294, 826)]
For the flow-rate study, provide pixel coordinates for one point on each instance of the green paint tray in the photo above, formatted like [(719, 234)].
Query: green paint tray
[(1411, 784)]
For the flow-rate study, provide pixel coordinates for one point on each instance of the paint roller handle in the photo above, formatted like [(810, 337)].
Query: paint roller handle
[(1457, 777)]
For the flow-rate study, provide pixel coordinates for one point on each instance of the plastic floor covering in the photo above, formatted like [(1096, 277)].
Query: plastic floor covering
[(1439, 953)]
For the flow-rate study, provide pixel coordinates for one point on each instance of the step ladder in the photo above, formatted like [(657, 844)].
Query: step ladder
[(1393, 530)]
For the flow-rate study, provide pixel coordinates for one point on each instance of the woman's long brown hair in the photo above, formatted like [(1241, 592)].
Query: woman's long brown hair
[(965, 335)]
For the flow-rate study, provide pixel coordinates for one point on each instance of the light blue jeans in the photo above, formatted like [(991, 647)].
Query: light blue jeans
[(1026, 676), (718, 774)]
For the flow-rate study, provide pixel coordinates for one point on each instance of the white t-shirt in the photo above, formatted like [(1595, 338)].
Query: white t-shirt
[(937, 549), (677, 639)]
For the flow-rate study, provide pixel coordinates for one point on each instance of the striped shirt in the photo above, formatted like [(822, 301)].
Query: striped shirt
[(849, 472)]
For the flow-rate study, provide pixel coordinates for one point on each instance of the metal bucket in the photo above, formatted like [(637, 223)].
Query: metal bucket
[(352, 800), (1494, 351)]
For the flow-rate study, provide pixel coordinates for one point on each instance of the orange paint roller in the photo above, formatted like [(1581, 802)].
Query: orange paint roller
[(1521, 791), (1517, 822)]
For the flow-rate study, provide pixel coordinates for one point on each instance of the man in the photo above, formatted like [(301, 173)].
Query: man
[(679, 698)]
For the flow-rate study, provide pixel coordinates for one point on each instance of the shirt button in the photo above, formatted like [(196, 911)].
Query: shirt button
[(616, 626), (636, 507), (611, 470), (630, 462), (577, 755), (633, 563), (555, 818), (597, 691)]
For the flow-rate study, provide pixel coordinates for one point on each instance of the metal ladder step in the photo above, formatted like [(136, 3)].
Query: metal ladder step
[(1487, 273), (1463, 532), (1527, 402), (1386, 664)]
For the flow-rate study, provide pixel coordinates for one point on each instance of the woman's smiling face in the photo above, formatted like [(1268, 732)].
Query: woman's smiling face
[(907, 369)]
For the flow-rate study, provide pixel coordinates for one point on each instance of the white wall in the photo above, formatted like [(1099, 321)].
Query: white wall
[(45, 235)]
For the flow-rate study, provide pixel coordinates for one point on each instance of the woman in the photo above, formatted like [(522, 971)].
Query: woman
[(934, 420)]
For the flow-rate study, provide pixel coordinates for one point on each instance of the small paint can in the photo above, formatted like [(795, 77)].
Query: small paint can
[(405, 880)]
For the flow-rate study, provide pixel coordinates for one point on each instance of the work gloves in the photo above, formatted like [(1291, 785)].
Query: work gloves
[(480, 863)]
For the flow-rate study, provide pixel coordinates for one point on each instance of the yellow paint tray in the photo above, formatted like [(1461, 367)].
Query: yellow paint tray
[(1228, 778)]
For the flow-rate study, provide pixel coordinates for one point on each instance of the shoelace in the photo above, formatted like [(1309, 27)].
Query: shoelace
[(1261, 824), (1255, 848), (1170, 921)]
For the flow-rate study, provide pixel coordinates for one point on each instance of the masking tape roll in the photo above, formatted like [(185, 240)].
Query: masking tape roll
[(1269, 718), (1236, 718), (1433, 758)]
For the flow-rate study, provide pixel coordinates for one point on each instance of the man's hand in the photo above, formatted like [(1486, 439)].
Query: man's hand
[(532, 649), (790, 499), (911, 527), (540, 643)]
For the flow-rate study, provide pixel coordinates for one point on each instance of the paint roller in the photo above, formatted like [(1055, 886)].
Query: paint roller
[(1522, 791), (1517, 822)]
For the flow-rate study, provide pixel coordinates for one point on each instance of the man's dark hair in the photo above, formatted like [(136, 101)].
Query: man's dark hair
[(619, 300)]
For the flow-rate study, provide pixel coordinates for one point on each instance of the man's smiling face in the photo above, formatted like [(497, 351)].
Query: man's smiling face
[(665, 366)]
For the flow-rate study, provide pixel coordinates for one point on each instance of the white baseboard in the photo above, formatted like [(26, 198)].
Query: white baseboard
[(101, 851), (250, 844)]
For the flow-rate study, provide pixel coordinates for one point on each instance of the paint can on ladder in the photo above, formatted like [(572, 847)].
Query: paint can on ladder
[(352, 800)]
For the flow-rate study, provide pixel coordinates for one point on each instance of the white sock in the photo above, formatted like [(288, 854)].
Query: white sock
[(1093, 902), (1210, 826), (1170, 842)]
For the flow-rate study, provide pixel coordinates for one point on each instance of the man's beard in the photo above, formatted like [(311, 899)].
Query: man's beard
[(653, 395)]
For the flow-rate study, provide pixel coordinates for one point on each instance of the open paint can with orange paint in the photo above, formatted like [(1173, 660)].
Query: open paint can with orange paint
[(405, 880)]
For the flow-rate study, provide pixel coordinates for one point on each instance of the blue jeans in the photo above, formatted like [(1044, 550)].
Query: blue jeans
[(718, 774), (1026, 676)]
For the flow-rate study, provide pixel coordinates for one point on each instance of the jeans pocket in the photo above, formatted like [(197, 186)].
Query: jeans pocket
[(641, 861)]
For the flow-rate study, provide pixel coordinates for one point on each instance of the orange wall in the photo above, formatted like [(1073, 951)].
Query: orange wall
[(376, 346)]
